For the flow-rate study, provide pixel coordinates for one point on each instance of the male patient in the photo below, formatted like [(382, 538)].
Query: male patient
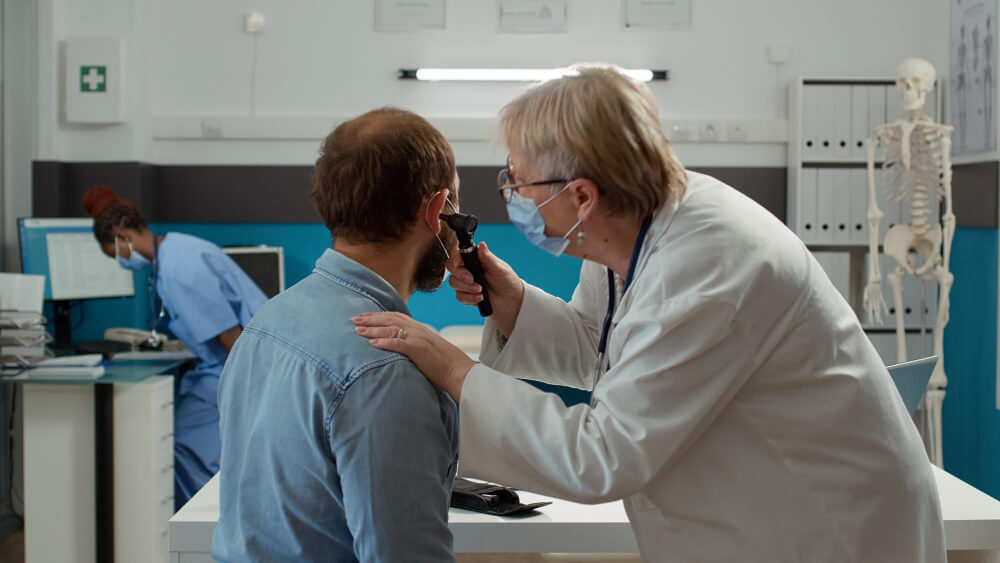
[(333, 450)]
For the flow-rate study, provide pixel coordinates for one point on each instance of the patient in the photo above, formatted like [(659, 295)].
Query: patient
[(333, 450)]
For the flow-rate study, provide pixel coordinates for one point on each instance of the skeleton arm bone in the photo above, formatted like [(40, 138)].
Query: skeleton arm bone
[(949, 216), (874, 302)]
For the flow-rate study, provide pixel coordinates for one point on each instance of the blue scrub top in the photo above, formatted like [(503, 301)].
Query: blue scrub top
[(205, 294)]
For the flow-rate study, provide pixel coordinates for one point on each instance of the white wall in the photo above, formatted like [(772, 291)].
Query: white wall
[(190, 59)]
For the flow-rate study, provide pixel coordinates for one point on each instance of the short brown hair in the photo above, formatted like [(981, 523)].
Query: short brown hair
[(599, 124), (374, 171)]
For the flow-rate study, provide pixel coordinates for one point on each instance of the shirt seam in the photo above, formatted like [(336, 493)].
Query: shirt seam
[(357, 288), (326, 371)]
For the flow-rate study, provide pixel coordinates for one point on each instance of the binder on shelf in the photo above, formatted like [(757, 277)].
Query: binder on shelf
[(859, 205), (860, 128), (825, 122), (912, 302), (842, 222), (810, 129), (876, 109), (840, 148), (807, 228), (893, 105), (837, 266), (825, 186)]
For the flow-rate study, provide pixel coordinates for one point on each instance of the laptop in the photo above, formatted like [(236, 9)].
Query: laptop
[(911, 380)]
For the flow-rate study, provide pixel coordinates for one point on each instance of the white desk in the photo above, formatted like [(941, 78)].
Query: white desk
[(971, 522)]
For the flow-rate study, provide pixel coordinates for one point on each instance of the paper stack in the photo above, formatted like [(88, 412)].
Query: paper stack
[(23, 337)]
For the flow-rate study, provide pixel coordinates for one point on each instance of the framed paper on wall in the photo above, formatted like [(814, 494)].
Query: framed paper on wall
[(532, 16), (404, 15)]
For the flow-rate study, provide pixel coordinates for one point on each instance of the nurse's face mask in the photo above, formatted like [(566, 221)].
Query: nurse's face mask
[(134, 262), (431, 271), (526, 215)]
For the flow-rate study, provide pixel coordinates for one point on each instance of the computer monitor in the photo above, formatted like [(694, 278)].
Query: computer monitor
[(911, 380), (65, 251), (264, 264)]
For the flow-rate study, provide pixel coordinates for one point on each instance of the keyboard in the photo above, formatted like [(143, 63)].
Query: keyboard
[(106, 348)]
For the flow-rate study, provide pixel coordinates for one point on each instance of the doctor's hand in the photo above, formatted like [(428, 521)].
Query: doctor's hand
[(441, 362), (506, 288)]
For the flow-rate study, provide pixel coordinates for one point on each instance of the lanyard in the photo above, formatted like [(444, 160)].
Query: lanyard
[(602, 346)]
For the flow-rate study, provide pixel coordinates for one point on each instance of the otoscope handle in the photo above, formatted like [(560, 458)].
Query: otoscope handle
[(470, 257)]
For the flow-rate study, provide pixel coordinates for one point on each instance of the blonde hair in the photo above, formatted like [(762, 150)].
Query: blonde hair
[(599, 124)]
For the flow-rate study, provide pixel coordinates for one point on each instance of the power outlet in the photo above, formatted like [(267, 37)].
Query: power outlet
[(709, 131), (211, 128), (682, 132), (736, 131)]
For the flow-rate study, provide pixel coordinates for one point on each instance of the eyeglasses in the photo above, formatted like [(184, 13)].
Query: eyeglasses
[(507, 184)]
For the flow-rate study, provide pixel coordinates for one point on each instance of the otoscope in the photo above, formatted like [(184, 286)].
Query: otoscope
[(464, 226)]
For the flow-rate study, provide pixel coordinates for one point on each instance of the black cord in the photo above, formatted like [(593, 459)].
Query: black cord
[(83, 315), (10, 453)]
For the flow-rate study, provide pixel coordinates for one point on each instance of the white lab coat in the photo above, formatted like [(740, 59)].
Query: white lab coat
[(746, 416)]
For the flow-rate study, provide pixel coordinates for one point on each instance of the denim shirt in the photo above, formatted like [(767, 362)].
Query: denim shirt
[(332, 450)]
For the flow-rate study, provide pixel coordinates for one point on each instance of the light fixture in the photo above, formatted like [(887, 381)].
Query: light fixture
[(513, 74)]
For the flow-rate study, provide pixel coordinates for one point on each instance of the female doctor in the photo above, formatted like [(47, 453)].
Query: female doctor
[(737, 406), (208, 299)]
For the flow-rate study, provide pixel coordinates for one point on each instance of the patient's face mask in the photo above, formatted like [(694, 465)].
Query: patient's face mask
[(134, 262), (525, 214), (431, 272)]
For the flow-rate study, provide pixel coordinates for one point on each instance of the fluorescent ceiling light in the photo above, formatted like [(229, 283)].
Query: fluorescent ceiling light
[(513, 74)]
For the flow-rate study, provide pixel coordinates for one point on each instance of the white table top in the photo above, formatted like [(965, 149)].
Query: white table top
[(971, 521)]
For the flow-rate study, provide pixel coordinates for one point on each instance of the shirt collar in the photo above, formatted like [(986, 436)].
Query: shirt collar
[(357, 277)]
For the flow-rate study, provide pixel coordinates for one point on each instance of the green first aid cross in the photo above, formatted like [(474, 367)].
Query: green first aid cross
[(93, 78)]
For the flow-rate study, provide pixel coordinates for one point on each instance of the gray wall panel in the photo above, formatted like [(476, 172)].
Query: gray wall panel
[(974, 194)]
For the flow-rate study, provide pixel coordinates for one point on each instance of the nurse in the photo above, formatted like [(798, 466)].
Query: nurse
[(208, 300), (738, 409)]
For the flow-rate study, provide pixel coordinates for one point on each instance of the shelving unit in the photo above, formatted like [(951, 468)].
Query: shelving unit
[(830, 120)]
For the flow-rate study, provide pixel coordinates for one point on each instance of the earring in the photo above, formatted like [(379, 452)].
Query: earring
[(581, 238)]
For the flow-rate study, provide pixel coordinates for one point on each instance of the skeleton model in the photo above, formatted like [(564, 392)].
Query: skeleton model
[(917, 167)]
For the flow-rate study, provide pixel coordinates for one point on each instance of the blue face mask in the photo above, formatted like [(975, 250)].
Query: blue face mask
[(134, 262), (526, 216)]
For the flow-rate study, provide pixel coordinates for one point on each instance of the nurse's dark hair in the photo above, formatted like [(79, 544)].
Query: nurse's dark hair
[(109, 212), (374, 171)]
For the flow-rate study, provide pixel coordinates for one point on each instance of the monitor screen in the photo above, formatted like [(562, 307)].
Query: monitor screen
[(264, 264), (67, 254)]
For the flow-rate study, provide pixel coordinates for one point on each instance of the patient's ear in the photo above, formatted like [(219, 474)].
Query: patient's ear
[(435, 206)]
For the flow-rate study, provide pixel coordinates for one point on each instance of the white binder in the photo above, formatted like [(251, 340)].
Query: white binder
[(885, 345), (842, 222), (860, 129), (825, 186), (837, 266), (842, 122), (893, 105), (859, 205), (825, 122), (810, 131), (806, 227), (876, 109)]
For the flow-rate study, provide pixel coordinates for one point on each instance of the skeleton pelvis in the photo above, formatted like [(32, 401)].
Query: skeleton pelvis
[(915, 253)]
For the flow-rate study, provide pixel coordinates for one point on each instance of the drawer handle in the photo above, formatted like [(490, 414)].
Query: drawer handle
[(163, 534), (166, 404), (166, 500), (167, 468), (166, 436)]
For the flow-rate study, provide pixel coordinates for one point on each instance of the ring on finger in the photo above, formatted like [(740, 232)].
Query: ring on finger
[(401, 334)]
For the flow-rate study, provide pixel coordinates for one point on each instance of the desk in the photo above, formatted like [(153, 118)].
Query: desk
[(971, 522), (69, 459)]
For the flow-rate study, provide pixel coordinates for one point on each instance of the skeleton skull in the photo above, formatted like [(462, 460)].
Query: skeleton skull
[(914, 78)]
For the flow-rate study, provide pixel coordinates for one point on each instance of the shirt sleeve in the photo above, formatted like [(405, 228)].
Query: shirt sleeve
[(680, 365), (570, 330), (395, 442), (198, 298)]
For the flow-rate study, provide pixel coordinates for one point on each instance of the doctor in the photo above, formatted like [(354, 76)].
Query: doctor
[(737, 407), (208, 299)]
